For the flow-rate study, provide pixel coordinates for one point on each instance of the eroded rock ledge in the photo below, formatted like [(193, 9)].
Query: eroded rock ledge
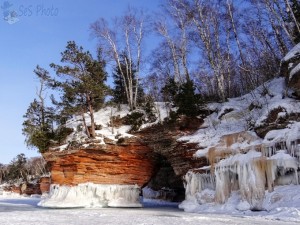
[(117, 166), (99, 175), (126, 163), (162, 139)]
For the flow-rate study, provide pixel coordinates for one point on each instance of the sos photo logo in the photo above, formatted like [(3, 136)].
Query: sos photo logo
[(13, 13)]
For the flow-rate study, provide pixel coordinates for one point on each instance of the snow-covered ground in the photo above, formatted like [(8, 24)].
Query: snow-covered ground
[(106, 129), (242, 165), (282, 204), (15, 211), (235, 116)]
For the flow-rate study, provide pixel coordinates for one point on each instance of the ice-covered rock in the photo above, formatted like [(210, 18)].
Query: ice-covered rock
[(290, 68), (242, 163), (243, 206), (92, 195)]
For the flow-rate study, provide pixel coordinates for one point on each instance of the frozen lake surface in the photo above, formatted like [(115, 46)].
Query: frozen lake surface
[(15, 211)]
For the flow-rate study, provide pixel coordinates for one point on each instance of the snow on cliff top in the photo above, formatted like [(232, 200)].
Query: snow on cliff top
[(294, 51), (103, 120), (242, 113)]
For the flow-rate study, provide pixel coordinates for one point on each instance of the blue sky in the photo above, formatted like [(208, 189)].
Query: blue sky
[(37, 36)]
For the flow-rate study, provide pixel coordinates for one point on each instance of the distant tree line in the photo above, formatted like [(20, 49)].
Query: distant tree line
[(23, 169), (206, 51)]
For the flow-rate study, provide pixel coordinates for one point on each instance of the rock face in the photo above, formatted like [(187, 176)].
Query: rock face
[(30, 189), (40, 186), (290, 68), (45, 184), (129, 163), (163, 141), (126, 163), (99, 175)]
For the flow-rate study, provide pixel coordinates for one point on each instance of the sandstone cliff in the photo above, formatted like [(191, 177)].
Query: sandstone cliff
[(129, 162), (245, 144)]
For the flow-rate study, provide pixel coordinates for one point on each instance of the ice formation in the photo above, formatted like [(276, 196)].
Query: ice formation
[(249, 172), (197, 182), (239, 159), (163, 194), (92, 195)]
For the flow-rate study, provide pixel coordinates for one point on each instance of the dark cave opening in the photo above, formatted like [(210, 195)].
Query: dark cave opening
[(165, 183)]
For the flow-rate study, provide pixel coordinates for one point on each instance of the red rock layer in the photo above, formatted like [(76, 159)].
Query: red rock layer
[(128, 162), (45, 184)]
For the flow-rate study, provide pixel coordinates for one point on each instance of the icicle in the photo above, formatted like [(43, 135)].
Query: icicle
[(252, 182), (92, 195), (247, 173), (197, 182), (222, 185)]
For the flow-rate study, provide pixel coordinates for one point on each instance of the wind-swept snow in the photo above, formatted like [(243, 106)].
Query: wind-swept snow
[(24, 211), (292, 53)]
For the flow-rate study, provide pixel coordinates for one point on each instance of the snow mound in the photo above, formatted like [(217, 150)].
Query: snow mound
[(283, 204)]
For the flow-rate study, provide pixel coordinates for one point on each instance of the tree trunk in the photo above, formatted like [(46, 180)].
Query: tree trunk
[(91, 111), (84, 124)]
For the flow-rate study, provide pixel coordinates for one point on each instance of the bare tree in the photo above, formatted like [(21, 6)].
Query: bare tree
[(236, 47), (175, 35), (170, 43), (125, 35), (206, 18), (36, 166), (276, 13)]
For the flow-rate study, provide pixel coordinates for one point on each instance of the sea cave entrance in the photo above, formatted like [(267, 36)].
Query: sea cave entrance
[(164, 185)]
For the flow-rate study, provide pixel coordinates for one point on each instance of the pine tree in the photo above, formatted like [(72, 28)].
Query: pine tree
[(119, 93), (17, 169), (38, 124), (183, 97), (37, 127), (170, 90), (82, 83), (187, 100)]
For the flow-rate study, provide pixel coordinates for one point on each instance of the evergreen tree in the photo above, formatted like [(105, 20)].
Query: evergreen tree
[(37, 127), (170, 90), (38, 124), (183, 97), (187, 100), (17, 169), (82, 83), (119, 93)]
